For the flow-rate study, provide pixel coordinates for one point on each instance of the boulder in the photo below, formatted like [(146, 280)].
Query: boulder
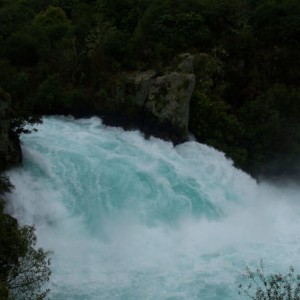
[(169, 100), (165, 98), (156, 102), (143, 82)]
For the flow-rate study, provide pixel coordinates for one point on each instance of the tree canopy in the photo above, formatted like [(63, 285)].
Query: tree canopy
[(24, 269), (61, 56)]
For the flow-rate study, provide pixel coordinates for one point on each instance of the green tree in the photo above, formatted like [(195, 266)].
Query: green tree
[(49, 96), (14, 15), (277, 22), (123, 14), (213, 120), (23, 269), (272, 131), (29, 275), (21, 49), (50, 27), (168, 27)]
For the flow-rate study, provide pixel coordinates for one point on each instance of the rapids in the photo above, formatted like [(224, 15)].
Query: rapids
[(129, 218)]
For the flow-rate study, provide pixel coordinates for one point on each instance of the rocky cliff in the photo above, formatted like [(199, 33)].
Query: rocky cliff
[(157, 103)]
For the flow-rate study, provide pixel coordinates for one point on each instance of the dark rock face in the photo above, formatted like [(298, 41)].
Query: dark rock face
[(10, 149), (157, 104), (169, 100)]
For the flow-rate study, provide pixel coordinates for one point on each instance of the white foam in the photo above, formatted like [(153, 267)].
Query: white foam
[(135, 219)]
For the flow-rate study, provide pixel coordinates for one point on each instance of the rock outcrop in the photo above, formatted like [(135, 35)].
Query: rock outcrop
[(158, 103), (169, 100)]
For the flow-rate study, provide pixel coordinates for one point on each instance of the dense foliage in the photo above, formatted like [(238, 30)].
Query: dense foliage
[(23, 269), (61, 56)]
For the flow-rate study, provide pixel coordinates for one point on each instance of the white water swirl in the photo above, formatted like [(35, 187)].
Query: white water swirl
[(129, 218)]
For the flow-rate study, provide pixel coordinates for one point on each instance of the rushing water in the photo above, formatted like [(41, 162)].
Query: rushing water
[(129, 218)]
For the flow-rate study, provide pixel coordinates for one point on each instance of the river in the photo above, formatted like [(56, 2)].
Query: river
[(129, 218)]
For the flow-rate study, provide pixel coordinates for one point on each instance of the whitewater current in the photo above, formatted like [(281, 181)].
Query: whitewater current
[(129, 218)]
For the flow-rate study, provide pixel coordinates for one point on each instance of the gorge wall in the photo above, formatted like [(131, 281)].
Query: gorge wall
[(156, 102)]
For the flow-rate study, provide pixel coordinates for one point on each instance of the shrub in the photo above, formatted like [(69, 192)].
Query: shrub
[(23, 269), (258, 286)]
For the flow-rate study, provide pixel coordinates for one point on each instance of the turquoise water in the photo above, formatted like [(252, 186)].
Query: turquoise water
[(129, 218)]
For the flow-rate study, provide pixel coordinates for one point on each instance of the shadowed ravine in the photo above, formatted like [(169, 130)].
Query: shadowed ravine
[(129, 218)]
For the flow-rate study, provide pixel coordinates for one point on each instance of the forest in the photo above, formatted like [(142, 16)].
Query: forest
[(66, 57)]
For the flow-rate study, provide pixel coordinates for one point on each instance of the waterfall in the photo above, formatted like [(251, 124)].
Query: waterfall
[(129, 218)]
